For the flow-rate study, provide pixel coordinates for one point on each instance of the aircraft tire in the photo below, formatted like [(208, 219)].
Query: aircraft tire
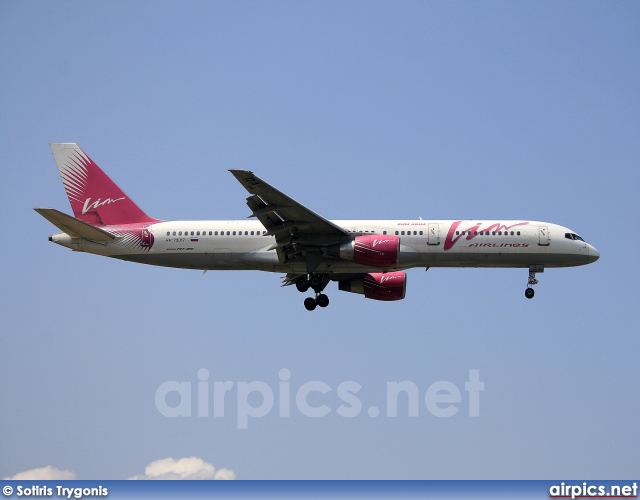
[(302, 285), (310, 303), (529, 293), (322, 300)]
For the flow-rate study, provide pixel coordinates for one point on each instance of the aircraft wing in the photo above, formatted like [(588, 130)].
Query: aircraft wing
[(299, 232)]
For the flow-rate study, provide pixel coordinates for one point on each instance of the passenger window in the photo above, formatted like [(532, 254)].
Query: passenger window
[(499, 233), (396, 233), (511, 233), (229, 233), (174, 233), (180, 233), (384, 232), (493, 233), (420, 233), (518, 233)]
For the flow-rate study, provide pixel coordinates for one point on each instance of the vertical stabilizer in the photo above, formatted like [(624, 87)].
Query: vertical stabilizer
[(94, 197)]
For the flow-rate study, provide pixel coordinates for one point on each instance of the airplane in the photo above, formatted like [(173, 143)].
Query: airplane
[(367, 257)]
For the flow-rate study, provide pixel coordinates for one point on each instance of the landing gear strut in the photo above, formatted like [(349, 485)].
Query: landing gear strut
[(529, 292), (317, 282)]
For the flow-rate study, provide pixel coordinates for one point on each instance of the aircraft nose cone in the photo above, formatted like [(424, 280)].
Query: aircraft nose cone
[(593, 254)]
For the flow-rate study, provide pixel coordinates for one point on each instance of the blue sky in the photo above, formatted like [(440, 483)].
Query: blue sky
[(443, 110)]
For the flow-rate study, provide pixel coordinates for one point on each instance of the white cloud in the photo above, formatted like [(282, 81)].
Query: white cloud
[(43, 473), (184, 468)]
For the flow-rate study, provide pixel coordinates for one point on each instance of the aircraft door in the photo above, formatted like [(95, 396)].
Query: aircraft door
[(433, 234), (543, 235), (147, 237)]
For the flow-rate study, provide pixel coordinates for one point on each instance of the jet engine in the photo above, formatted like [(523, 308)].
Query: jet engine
[(377, 286), (373, 250)]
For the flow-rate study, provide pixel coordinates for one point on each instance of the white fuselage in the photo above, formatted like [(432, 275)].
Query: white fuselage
[(244, 245)]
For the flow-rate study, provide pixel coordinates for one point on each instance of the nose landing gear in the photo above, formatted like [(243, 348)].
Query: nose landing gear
[(529, 292), (317, 282)]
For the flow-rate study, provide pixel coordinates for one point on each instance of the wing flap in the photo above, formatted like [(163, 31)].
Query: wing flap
[(74, 227)]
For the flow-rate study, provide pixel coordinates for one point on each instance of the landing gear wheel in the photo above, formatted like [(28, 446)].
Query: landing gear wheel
[(322, 300), (529, 293), (316, 281), (310, 303), (302, 285)]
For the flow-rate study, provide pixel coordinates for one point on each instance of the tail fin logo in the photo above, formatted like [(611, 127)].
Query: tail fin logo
[(93, 196), (98, 203)]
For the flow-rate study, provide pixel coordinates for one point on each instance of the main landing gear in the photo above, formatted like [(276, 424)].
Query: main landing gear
[(529, 292), (317, 282)]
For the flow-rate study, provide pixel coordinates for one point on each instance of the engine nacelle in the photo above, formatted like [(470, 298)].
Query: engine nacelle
[(377, 286), (372, 250)]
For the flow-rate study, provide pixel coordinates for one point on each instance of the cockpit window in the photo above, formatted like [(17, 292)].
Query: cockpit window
[(572, 236)]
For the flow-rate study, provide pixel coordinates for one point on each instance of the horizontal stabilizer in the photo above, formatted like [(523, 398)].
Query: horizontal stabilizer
[(74, 227)]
